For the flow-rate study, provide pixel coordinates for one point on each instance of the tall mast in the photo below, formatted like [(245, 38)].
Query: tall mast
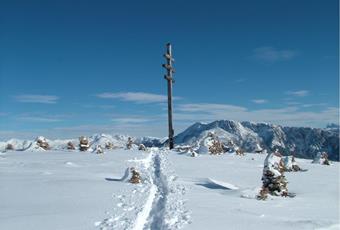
[(170, 70)]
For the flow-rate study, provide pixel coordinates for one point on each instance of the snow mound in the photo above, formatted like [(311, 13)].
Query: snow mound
[(223, 184)]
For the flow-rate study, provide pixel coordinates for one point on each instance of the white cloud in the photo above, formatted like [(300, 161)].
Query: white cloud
[(270, 54), (314, 105), (290, 116), (42, 117), (298, 93), (138, 97), (34, 98), (259, 101), (207, 107), (133, 120)]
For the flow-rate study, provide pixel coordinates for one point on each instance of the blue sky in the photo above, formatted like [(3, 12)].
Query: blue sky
[(80, 67)]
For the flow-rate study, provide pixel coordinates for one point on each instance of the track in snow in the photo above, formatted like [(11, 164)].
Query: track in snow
[(156, 204), (156, 217)]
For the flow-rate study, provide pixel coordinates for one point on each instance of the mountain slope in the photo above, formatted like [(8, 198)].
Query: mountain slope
[(302, 141)]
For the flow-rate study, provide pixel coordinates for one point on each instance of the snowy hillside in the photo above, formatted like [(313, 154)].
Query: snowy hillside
[(82, 190), (303, 142)]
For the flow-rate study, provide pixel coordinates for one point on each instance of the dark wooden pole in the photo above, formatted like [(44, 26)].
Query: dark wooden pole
[(170, 70)]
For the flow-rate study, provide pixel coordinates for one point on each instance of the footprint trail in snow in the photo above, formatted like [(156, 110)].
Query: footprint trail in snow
[(157, 203)]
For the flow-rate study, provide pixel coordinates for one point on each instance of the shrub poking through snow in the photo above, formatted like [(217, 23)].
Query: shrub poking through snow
[(99, 149), (274, 181), (9, 147), (109, 145), (84, 144), (135, 179), (42, 143), (70, 146), (142, 147), (129, 143), (321, 158)]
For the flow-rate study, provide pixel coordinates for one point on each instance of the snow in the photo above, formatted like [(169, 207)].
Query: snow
[(59, 189)]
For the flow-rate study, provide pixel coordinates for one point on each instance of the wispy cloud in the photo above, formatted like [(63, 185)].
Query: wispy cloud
[(271, 54), (285, 116), (137, 97), (314, 105), (133, 120), (2, 114), (207, 107), (240, 80), (35, 98), (259, 101), (38, 119), (42, 117), (298, 93)]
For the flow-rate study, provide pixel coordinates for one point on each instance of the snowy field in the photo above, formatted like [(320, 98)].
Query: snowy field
[(77, 190)]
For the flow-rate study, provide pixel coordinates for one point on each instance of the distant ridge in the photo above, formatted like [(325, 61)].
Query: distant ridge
[(304, 142)]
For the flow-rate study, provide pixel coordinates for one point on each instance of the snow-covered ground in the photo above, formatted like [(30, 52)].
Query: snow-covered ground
[(83, 190)]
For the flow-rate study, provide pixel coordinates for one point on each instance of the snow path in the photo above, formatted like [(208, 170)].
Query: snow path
[(163, 207), (156, 217)]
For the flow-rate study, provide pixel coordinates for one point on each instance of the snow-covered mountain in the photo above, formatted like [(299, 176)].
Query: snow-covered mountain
[(304, 142)]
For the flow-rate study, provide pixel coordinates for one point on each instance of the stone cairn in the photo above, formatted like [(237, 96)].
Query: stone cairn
[(42, 143), (70, 146), (84, 143), (258, 149), (239, 151), (99, 149), (142, 147), (274, 181), (129, 143), (321, 158), (295, 166), (135, 179), (216, 148), (9, 147), (109, 145), (193, 153), (290, 164)]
